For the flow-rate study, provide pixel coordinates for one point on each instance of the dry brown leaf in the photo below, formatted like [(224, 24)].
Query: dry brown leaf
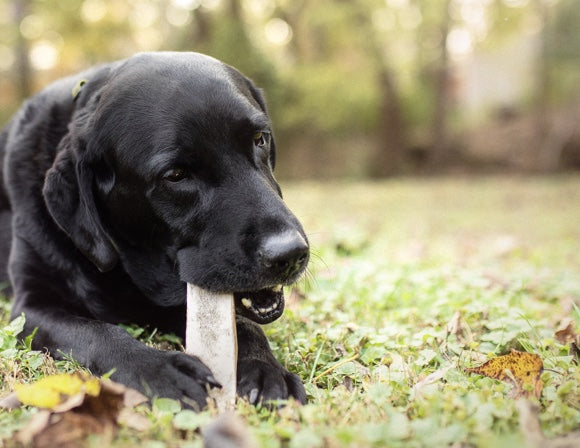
[(80, 414), (430, 379), (455, 324), (521, 369), (568, 305), (575, 352), (459, 328), (68, 429), (565, 332)]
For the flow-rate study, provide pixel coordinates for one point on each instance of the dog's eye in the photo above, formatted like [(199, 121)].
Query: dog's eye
[(175, 175), (260, 139)]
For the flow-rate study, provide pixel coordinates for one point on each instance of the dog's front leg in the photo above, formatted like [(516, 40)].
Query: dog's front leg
[(261, 378), (105, 348)]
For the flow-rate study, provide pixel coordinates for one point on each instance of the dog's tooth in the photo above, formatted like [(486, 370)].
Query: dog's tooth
[(247, 302), (262, 310), (277, 288)]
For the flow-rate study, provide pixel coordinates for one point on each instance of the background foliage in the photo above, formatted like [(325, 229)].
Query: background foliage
[(357, 88)]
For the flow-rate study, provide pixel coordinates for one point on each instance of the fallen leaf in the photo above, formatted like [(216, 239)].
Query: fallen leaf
[(55, 390), (75, 406), (575, 352), (477, 357), (567, 304), (521, 369), (48, 429), (565, 332), (457, 326), (454, 325), (430, 379)]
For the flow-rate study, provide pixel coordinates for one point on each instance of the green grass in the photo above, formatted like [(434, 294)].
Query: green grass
[(392, 264)]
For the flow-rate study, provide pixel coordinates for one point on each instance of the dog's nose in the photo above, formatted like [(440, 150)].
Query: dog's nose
[(284, 254)]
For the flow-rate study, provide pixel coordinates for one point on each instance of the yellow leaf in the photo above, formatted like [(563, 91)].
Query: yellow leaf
[(33, 395), (52, 390), (521, 369)]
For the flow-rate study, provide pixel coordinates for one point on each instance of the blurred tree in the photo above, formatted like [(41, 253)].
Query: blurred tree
[(355, 86), (22, 69), (439, 137), (389, 154), (543, 88), (559, 45), (562, 49), (231, 43), (326, 100), (201, 31)]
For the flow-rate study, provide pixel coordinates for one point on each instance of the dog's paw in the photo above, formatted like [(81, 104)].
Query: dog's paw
[(169, 374), (267, 382)]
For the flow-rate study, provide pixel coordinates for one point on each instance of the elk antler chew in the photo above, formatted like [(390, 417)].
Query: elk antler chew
[(211, 336)]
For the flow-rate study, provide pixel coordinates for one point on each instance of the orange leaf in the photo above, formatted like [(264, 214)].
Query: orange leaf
[(521, 369)]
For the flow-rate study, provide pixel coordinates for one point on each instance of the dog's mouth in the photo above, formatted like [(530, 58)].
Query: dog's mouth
[(263, 306)]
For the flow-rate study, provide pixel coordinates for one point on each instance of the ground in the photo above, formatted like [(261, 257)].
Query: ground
[(411, 282)]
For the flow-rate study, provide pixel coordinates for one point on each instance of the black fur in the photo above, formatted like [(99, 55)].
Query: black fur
[(149, 176)]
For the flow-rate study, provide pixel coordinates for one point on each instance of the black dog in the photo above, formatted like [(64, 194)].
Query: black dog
[(124, 182)]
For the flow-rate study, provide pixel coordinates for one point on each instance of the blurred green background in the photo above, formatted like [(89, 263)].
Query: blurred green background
[(357, 88)]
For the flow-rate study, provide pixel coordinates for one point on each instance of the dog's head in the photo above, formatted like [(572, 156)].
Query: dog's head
[(167, 173)]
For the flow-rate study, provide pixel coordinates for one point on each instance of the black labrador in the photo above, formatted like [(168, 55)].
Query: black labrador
[(124, 182)]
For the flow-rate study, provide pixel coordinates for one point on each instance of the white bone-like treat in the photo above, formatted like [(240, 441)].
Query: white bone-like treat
[(211, 336)]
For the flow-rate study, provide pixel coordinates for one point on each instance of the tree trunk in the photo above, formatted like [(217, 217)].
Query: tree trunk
[(201, 32), (23, 71), (235, 9), (389, 154), (389, 157), (546, 157), (300, 45), (439, 130)]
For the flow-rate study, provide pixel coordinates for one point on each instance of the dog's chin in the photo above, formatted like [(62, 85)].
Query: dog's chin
[(262, 306)]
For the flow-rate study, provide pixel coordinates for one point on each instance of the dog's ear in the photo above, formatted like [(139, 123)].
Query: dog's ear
[(69, 197)]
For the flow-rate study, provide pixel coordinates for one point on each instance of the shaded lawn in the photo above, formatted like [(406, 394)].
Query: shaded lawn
[(393, 264)]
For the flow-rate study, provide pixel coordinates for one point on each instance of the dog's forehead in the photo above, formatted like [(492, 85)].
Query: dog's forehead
[(167, 84), (182, 64), (164, 72)]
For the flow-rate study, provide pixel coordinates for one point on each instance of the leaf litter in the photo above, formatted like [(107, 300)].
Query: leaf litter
[(521, 369), (74, 406)]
